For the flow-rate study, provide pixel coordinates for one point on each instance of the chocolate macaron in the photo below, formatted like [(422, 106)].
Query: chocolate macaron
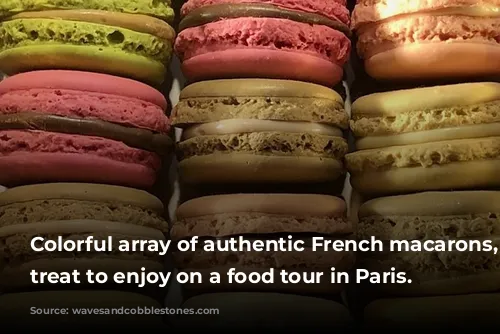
[(434, 138), (258, 130)]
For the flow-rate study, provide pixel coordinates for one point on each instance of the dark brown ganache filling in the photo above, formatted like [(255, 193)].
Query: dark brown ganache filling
[(133, 137), (214, 13)]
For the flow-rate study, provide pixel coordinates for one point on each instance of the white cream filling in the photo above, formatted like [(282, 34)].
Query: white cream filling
[(435, 135), (232, 126)]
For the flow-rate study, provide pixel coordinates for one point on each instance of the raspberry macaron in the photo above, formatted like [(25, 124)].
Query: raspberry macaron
[(58, 126), (277, 39)]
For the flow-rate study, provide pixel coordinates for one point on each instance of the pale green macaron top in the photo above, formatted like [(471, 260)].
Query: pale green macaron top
[(158, 8), (129, 38)]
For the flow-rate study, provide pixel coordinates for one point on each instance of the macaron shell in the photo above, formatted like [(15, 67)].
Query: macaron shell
[(255, 46), (53, 167), (367, 12), (83, 95), (248, 167), (259, 99), (65, 44), (436, 60), (102, 194), (154, 8), (259, 63), (458, 175), (84, 82), (435, 46), (91, 58)]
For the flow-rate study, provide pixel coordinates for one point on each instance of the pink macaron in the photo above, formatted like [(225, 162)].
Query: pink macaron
[(304, 40), (81, 127)]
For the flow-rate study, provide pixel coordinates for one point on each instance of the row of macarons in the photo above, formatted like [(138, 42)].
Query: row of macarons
[(89, 127), (77, 210), (279, 39)]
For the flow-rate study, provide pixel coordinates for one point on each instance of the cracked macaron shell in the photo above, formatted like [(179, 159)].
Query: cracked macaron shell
[(431, 216), (160, 9), (260, 99), (421, 109), (458, 215), (30, 43)]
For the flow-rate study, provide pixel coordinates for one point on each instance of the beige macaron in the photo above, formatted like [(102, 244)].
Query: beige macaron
[(260, 130), (263, 217), (75, 211), (434, 138), (461, 216)]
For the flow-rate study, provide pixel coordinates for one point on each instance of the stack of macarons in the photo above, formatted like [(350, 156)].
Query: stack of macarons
[(83, 133), (264, 217), (426, 157), (261, 124)]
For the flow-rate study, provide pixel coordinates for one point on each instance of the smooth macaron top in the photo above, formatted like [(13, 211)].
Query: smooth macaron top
[(82, 192), (160, 9), (433, 204), (259, 88), (437, 97), (279, 204), (443, 112), (83, 81), (246, 100), (368, 11), (335, 9)]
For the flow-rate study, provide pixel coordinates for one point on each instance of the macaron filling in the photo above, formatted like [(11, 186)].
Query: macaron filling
[(334, 10), (235, 126), (219, 12)]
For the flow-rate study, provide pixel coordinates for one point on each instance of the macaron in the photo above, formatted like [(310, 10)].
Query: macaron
[(473, 311), (433, 138), (280, 39), (75, 211), (31, 310), (428, 39), (254, 310), (263, 217), (81, 127), (120, 37), (460, 216), (260, 130)]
